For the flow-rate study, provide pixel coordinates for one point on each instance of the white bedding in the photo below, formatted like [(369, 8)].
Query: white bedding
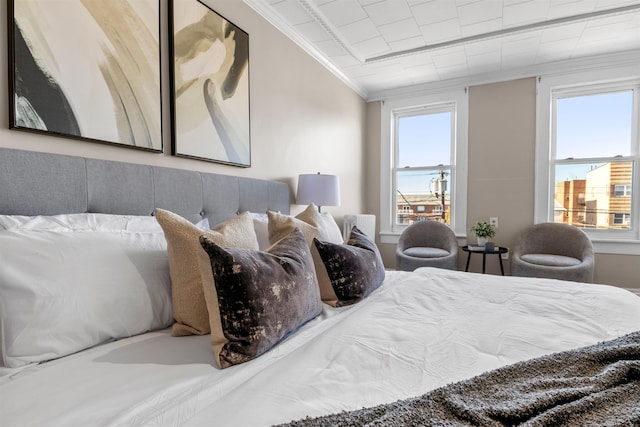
[(417, 332)]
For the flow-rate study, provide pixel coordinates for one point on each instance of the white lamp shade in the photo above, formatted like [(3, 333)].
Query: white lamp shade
[(323, 190)]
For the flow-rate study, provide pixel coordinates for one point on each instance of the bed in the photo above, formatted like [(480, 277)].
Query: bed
[(413, 335)]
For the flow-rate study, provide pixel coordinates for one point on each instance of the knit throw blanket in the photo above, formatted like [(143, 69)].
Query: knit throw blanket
[(597, 385)]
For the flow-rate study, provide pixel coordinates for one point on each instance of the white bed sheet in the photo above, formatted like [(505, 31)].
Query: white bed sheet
[(417, 332)]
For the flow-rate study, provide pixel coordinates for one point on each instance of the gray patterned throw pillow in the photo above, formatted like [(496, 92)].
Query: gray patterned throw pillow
[(355, 268), (258, 298)]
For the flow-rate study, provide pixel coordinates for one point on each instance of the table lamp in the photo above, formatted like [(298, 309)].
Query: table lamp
[(323, 190)]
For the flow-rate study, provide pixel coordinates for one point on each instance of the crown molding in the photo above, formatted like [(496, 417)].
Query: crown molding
[(629, 58), (285, 28)]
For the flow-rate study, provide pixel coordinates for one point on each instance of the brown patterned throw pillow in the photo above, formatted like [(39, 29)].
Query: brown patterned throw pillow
[(258, 298), (189, 307), (355, 268)]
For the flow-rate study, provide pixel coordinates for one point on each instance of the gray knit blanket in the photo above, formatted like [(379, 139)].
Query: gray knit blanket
[(597, 385)]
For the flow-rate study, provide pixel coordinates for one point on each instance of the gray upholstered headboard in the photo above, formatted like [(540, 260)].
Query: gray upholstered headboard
[(33, 183)]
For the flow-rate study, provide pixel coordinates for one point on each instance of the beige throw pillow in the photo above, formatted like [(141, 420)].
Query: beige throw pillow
[(183, 245), (313, 225)]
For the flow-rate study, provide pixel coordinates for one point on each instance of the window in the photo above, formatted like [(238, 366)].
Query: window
[(423, 141), (622, 190), (592, 133), (423, 162), (587, 155), (621, 218)]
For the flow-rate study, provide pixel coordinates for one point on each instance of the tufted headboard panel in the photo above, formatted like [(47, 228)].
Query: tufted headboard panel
[(33, 183)]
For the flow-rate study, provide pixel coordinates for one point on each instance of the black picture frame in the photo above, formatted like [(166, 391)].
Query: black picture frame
[(209, 72), (88, 70)]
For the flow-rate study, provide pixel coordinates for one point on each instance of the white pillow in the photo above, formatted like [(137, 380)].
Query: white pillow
[(261, 227), (82, 221), (331, 228), (62, 291), (203, 224)]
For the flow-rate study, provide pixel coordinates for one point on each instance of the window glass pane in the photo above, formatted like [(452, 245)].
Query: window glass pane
[(424, 140), (594, 125), (420, 196), (594, 195)]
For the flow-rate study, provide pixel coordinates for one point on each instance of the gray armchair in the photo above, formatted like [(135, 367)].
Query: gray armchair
[(554, 250), (427, 244)]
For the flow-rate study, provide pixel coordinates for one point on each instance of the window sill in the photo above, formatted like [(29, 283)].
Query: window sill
[(619, 247)]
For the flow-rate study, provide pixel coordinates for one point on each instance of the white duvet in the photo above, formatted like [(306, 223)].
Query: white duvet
[(417, 332)]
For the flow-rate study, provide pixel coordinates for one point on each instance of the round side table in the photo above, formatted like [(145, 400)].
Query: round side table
[(497, 250)]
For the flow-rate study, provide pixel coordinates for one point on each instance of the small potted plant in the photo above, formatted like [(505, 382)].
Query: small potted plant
[(483, 231)]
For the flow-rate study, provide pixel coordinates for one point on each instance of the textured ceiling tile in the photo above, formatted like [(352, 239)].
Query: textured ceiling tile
[(313, 31), (455, 72), (474, 13), (345, 61), (485, 60), (523, 13), (465, 2), (359, 31), (435, 11), (518, 59), (400, 30), (406, 44), (449, 58), (565, 32), (343, 12), (292, 12), (556, 50), (388, 11), (372, 47), (602, 32), (484, 69), (370, 28), (423, 70), (483, 47), (441, 31), (567, 8), (483, 27), (411, 61), (331, 48), (521, 44)]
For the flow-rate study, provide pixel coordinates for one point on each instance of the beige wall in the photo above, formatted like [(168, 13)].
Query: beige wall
[(371, 191), (502, 124), (303, 119), (501, 173)]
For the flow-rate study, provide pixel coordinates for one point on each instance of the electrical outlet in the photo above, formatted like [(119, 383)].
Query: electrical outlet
[(505, 255), (494, 221)]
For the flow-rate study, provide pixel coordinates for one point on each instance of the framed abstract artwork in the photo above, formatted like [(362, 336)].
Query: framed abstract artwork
[(87, 69), (209, 85)]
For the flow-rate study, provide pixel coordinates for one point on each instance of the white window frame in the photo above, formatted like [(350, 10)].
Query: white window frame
[(609, 79), (389, 230), (625, 219), (625, 189)]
